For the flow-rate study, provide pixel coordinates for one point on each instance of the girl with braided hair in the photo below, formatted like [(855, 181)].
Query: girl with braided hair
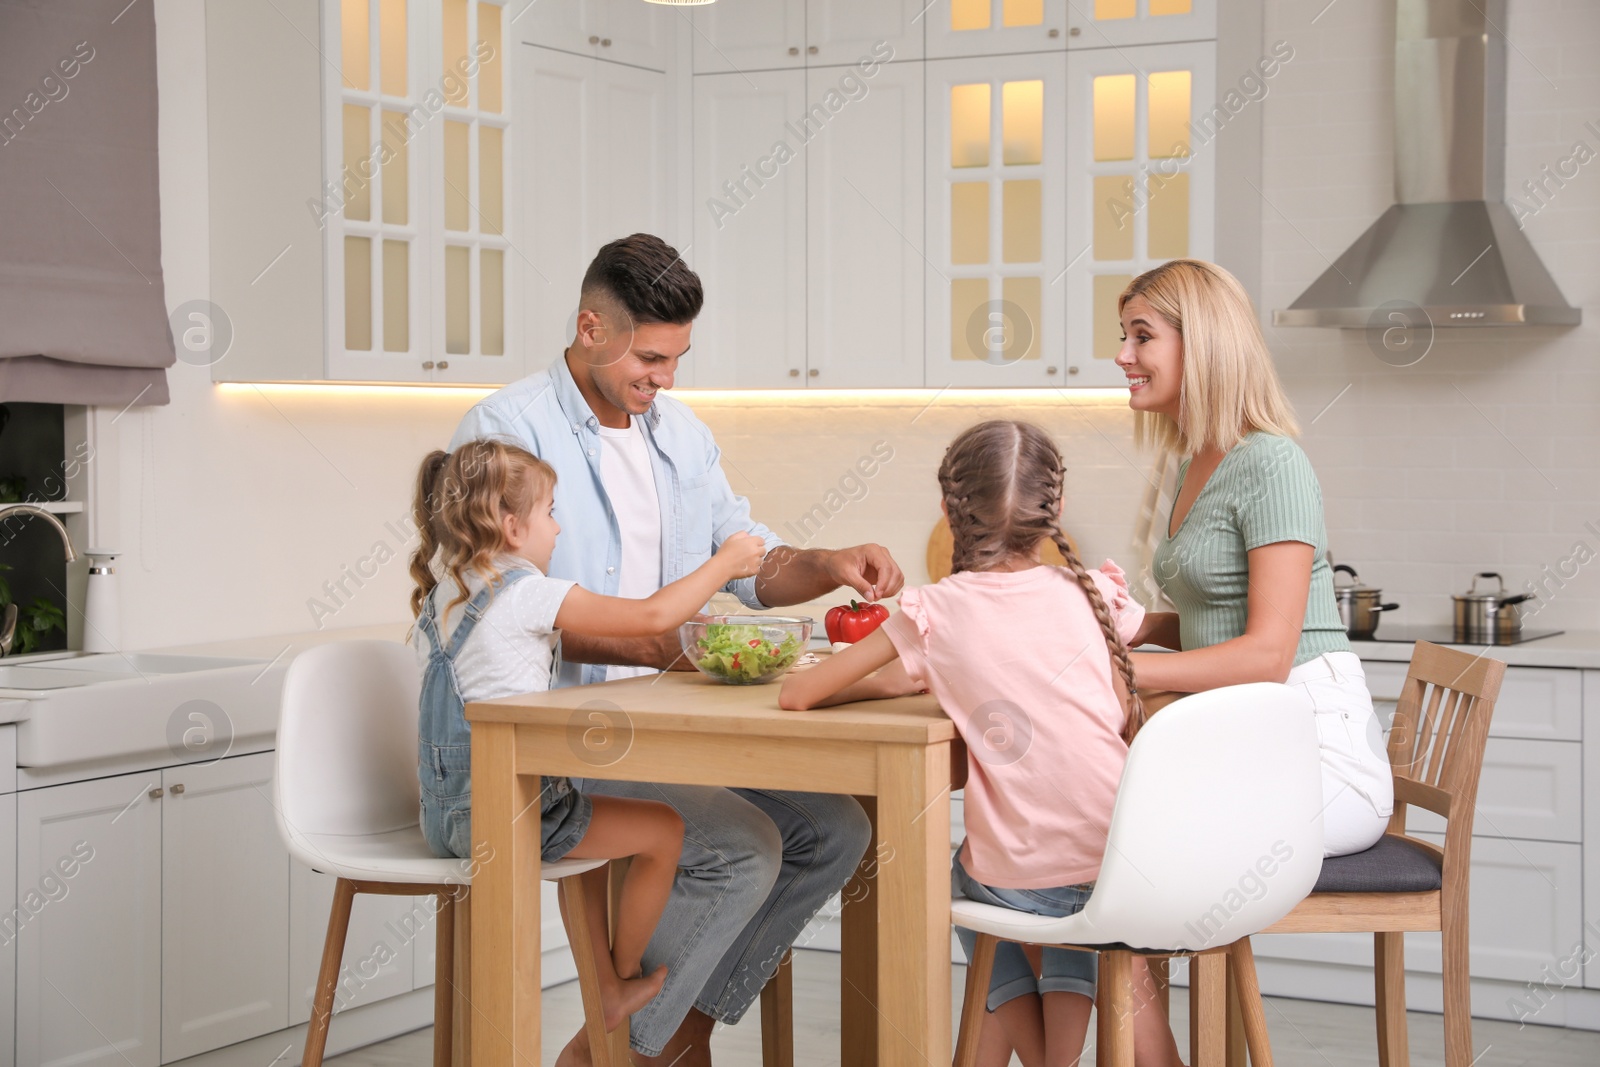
[(1031, 662)]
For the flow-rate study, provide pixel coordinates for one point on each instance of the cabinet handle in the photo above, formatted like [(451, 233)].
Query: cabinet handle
[(177, 790), (595, 39), (811, 51), (1050, 370), (1057, 33), (155, 794), (813, 372), (1072, 370), (1075, 31), (427, 364), (794, 51), (444, 364), (605, 42), (794, 372)]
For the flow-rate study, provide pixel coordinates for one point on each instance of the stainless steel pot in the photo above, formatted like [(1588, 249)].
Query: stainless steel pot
[(1483, 616), (1360, 606)]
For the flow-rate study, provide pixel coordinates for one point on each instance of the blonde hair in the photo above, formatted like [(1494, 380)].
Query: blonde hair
[(460, 500), (1002, 485), (1229, 386)]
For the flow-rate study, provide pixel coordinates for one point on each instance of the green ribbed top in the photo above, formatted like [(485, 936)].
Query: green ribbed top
[(1264, 491)]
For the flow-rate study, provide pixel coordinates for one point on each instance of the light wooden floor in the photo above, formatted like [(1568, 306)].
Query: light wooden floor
[(1303, 1032)]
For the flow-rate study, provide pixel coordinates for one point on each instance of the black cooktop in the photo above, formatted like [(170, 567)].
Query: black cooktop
[(1446, 635)]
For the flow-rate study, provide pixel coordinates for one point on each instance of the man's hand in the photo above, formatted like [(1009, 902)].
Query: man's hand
[(794, 575), (664, 652), (868, 569)]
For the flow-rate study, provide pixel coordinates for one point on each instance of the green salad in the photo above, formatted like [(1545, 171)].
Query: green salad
[(739, 654)]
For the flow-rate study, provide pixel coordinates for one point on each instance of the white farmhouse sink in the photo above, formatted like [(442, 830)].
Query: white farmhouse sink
[(139, 705)]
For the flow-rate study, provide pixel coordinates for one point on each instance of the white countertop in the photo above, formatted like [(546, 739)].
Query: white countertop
[(1574, 648), (272, 647)]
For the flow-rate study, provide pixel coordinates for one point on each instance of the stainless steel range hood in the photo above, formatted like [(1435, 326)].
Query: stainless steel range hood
[(1450, 245)]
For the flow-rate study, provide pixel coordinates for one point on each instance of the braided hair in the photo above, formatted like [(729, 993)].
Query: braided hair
[(1002, 486)]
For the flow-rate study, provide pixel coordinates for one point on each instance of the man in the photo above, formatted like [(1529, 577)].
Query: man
[(642, 501)]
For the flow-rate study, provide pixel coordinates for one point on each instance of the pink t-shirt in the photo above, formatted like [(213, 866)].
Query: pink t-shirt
[(1020, 665)]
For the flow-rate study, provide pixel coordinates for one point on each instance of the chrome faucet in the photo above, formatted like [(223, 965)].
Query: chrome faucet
[(8, 624)]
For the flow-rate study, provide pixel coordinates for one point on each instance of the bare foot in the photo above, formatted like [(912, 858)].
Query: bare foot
[(628, 995), (576, 1054)]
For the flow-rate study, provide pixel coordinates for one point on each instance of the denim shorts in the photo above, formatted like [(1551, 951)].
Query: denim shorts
[(447, 806), (1065, 970)]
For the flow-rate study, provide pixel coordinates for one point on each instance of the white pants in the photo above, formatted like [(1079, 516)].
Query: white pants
[(1357, 783)]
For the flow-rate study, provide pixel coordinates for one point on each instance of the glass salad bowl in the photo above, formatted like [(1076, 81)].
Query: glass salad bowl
[(745, 649)]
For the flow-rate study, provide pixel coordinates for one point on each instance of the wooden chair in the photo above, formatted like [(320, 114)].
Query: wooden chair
[(1403, 883)]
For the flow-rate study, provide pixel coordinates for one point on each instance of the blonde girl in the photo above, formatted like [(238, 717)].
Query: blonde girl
[(1031, 662), (487, 625), (1244, 555)]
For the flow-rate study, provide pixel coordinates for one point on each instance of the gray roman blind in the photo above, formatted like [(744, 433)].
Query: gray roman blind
[(83, 316)]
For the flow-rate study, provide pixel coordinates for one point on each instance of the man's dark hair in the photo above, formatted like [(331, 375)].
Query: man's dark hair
[(647, 277)]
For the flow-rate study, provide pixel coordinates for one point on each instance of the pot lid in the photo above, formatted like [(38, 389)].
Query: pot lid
[(1476, 596), (1355, 585)]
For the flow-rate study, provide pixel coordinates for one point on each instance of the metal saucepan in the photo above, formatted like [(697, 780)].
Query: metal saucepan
[(1482, 616), (1360, 606)]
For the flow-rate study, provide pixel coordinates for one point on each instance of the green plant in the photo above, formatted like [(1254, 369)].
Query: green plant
[(33, 620), (12, 488)]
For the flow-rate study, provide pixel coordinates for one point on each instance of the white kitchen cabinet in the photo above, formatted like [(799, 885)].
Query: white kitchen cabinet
[(1539, 703), (846, 31), (750, 132), (1529, 790), (224, 907), (9, 918), (996, 195), (1141, 189), (621, 31), (89, 960), (996, 27), (785, 34), (613, 178), (378, 947), (1526, 909), (752, 35), (864, 219)]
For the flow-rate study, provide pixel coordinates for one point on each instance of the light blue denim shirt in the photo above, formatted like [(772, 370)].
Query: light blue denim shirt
[(546, 414)]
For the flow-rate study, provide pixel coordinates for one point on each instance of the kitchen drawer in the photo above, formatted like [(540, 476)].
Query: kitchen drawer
[(1539, 703), (8, 759), (1529, 789), (1526, 911)]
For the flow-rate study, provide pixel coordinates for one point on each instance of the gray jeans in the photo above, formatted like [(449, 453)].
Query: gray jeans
[(756, 866)]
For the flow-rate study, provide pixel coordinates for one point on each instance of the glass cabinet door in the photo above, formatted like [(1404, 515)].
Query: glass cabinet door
[(1104, 23), (1141, 190), (995, 27), (418, 257), (996, 252), (473, 262), (376, 249)]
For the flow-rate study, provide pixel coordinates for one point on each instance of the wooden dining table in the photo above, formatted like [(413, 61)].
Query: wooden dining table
[(898, 757)]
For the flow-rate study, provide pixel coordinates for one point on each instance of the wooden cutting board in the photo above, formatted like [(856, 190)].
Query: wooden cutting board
[(941, 546)]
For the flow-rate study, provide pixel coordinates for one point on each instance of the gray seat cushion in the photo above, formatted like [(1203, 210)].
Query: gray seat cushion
[(1393, 865)]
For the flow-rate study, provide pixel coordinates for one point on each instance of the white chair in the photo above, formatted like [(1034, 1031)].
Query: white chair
[(1216, 834), (348, 804)]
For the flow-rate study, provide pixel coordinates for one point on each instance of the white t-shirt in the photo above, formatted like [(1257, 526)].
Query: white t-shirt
[(630, 485), (512, 649)]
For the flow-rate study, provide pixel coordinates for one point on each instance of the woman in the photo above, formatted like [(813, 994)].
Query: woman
[(1244, 553)]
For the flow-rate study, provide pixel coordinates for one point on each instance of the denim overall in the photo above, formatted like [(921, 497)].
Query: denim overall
[(444, 748)]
